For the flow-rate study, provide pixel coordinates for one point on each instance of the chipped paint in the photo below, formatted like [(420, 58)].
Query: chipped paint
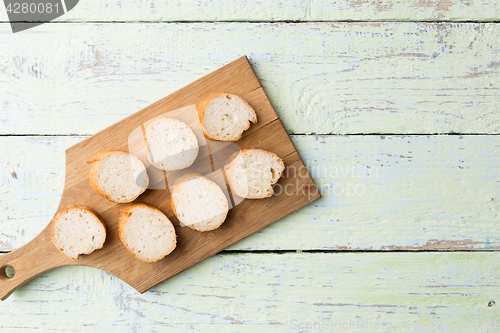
[(420, 193)]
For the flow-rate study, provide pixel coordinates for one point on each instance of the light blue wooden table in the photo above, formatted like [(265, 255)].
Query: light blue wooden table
[(393, 106)]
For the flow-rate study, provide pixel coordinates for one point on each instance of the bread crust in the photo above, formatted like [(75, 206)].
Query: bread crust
[(174, 197), (228, 170), (125, 213), (150, 127), (67, 209), (201, 112), (94, 164)]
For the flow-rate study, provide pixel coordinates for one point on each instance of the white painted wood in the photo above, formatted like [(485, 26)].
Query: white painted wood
[(267, 10), (268, 293), (420, 193), (321, 77), (186, 10), (379, 193), (31, 185)]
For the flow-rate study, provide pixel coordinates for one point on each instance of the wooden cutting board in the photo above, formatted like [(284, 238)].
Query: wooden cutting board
[(296, 189)]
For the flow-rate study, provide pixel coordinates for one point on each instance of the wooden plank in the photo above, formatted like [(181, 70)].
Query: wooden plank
[(379, 193), (187, 10), (322, 78), (237, 77), (272, 292), (267, 10), (403, 10)]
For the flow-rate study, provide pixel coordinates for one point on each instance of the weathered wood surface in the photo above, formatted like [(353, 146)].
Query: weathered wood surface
[(244, 219), (292, 10), (269, 293), (324, 78), (379, 193), (337, 78)]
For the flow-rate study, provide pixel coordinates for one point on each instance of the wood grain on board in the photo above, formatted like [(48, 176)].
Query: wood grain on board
[(246, 218), (322, 78)]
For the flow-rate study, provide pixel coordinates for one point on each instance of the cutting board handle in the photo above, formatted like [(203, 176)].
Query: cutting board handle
[(29, 261)]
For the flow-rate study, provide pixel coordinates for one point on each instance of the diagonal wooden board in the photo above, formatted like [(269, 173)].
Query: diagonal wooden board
[(249, 216)]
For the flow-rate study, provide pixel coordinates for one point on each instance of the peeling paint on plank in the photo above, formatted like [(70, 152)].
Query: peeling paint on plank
[(379, 193)]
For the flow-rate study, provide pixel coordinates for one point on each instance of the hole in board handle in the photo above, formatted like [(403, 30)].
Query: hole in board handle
[(8, 271)]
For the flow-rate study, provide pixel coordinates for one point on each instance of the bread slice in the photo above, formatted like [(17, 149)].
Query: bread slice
[(198, 202), (224, 117), (78, 230), (146, 232), (118, 176), (171, 144), (252, 173)]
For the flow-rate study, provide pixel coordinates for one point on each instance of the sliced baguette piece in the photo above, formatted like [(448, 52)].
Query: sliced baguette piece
[(198, 202), (171, 144), (78, 230), (253, 172), (146, 232), (224, 117), (118, 176)]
